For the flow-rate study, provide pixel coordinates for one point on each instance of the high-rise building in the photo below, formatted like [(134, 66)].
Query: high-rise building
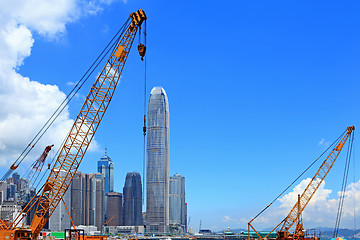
[(100, 201), (3, 191), (106, 168), (78, 189), (11, 191), (177, 202), (132, 200), (60, 219), (157, 175), (115, 209), (90, 199), (16, 178)]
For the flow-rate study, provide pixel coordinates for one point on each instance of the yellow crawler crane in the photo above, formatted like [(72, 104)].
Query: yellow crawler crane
[(79, 138), (304, 198)]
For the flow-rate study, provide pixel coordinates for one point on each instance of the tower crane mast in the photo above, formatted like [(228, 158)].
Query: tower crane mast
[(80, 136)]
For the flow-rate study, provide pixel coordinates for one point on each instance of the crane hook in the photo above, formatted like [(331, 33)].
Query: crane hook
[(142, 51)]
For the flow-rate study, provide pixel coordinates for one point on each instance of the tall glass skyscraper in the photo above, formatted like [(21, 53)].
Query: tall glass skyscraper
[(157, 174), (106, 168), (132, 200)]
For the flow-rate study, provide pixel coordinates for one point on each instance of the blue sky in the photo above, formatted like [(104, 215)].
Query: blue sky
[(253, 87)]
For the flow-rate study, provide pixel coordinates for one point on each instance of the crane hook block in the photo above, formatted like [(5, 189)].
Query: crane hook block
[(13, 167), (142, 51)]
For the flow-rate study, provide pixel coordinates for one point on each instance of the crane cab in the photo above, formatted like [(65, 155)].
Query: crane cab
[(17, 234)]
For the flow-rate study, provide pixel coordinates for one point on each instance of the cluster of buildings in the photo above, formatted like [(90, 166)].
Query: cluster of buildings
[(95, 206), (14, 194)]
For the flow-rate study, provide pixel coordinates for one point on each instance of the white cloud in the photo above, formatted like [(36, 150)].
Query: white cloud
[(27, 104), (48, 17), (324, 143)]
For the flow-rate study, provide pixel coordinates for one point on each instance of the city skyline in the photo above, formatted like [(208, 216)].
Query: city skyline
[(248, 124)]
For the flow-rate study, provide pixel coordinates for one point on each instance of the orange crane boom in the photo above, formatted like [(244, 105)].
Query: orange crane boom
[(314, 184), (305, 197), (80, 136)]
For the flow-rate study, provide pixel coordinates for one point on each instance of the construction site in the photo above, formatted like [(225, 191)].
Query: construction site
[(47, 181)]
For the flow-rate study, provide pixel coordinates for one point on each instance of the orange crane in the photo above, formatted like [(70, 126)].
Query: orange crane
[(305, 197), (78, 139)]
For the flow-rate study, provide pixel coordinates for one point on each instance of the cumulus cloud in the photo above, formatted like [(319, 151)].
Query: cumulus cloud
[(27, 104), (48, 17)]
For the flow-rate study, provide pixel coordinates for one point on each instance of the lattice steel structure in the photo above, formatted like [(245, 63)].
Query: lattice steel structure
[(315, 183)]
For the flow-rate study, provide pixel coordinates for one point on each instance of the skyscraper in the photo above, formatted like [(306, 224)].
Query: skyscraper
[(106, 168), (78, 199), (177, 202), (100, 199), (60, 219), (3, 191), (115, 209), (132, 200), (16, 178), (157, 175), (90, 199)]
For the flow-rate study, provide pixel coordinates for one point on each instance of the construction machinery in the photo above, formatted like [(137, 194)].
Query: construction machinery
[(295, 215), (78, 139)]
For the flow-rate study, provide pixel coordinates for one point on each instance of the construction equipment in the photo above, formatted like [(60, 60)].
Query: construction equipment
[(40, 161), (79, 138), (108, 221), (295, 214)]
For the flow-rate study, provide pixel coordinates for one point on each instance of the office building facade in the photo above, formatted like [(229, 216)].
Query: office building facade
[(106, 168), (87, 199), (60, 219), (133, 200), (78, 189), (115, 209), (100, 201), (157, 174), (177, 208)]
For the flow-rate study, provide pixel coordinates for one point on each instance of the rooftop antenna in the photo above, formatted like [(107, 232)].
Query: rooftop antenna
[(105, 151)]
